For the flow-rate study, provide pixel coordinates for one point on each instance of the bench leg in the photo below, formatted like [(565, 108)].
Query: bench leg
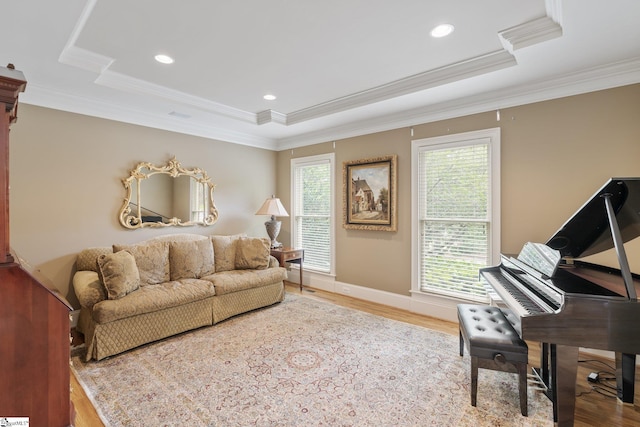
[(474, 380), (522, 376), (461, 344)]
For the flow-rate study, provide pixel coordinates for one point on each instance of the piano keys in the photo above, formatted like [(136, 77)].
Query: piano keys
[(565, 303)]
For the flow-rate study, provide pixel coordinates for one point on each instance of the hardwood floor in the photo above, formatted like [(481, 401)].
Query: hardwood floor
[(86, 415), (592, 407)]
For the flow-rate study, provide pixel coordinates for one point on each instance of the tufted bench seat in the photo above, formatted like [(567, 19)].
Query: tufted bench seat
[(492, 337)]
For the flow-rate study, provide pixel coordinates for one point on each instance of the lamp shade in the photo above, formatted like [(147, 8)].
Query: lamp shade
[(272, 206)]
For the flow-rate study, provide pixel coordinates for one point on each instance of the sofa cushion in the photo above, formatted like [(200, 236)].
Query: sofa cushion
[(118, 273), (88, 288), (152, 260), (153, 298), (224, 252), (252, 253), (87, 258), (191, 259), (227, 282)]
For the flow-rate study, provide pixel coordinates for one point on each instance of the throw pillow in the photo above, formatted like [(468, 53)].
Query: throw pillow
[(224, 251), (87, 258), (191, 259), (118, 273), (252, 253), (152, 260)]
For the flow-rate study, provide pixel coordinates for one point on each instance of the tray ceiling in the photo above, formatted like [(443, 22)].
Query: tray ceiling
[(338, 68)]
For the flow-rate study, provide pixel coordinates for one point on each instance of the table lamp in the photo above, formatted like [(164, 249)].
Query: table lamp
[(272, 206)]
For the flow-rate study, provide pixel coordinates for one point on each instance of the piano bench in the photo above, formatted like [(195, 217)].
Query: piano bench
[(491, 335)]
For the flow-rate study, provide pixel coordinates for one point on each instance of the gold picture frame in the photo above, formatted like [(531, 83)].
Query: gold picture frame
[(369, 194), (193, 195)]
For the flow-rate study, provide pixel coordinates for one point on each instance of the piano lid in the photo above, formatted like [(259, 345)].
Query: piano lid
[(587, 232)]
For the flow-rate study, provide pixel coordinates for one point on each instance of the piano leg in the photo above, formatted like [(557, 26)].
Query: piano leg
[(544, 364), (565, 364), (625, 376), (544, 373)]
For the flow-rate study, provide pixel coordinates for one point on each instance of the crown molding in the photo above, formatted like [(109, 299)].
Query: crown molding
[(130, 84), (458, 71), (271, 116), (554, 10), (77, 56), (613, 75), (617, 74), (58, 100), (84, 59), (530, 33), (517, 37), (93, 62), (487, 63), (450, 73)]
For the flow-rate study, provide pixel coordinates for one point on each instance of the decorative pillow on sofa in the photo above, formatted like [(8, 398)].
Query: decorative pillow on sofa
[(87, 258), (252, 253), (224, 251), (118, 273), (152, 260), (191, 259)]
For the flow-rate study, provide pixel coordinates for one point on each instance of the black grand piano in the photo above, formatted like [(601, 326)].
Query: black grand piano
[(566, 304)]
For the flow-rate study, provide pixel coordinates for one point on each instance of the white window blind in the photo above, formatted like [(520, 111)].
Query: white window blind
[(312, 211), (197, 200), (454, 216)]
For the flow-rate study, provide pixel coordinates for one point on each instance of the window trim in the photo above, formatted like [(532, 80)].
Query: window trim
[(309, 161), (493, 135)]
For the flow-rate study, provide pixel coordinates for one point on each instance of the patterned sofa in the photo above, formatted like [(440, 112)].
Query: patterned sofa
[(135, 294)]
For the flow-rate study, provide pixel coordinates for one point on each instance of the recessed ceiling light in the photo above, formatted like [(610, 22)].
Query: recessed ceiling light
[(270, 97), (164, 59), (442, 30)]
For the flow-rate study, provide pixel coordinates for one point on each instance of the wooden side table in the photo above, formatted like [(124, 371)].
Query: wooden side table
[(291, 255)]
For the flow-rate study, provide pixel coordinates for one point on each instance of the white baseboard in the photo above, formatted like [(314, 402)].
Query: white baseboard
[(432, 305), (440, 307)]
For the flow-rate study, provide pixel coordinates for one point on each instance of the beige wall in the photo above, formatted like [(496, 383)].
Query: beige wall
[(555, 155), (66, 189)]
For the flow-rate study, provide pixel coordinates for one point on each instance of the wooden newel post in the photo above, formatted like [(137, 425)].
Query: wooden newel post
[(12, 82), (34, 319)]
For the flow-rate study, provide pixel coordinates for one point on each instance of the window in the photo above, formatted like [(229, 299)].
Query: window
[(198, 201), (456, 211), (312, 211)]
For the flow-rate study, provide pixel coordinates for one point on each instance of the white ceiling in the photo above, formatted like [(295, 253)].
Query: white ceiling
[(339, 68)]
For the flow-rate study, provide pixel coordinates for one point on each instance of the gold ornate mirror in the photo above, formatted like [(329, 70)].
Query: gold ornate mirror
[(169, 195)]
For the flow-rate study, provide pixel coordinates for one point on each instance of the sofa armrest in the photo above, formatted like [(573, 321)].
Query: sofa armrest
[(88, 288), (273, 262)]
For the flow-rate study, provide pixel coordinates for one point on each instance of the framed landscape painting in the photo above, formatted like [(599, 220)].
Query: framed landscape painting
[(369, 194)]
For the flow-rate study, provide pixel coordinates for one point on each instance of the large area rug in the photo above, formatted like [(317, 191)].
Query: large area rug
[(303, 363)]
